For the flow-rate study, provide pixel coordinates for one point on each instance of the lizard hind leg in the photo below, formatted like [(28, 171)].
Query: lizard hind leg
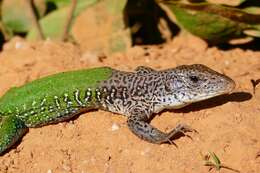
[(138, 125), (11, 130)]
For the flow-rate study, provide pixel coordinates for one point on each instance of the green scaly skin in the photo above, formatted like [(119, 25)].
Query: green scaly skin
[(137, 95), (20, 108)]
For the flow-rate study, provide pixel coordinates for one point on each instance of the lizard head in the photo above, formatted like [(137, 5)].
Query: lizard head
[(192, 83)]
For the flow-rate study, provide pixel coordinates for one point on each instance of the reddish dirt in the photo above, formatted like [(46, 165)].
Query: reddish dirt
[(227, 125)]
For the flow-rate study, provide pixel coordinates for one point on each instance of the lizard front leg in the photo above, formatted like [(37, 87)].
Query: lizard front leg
[(138, 123)]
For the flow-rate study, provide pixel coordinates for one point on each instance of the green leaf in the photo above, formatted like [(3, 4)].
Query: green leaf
[(16, 15), (66, 3), (253, 32), (104, 28), (59, 3), (227, 2), (214, 23), (252, 10), (52, 24)]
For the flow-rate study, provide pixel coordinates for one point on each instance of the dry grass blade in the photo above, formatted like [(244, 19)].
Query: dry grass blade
[(214, 162)]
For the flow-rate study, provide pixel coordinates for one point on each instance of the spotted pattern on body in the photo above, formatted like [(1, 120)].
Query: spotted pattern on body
[(146, 91), (65, 107)]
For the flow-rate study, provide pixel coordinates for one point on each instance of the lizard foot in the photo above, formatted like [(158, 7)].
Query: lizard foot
[(180, 129)]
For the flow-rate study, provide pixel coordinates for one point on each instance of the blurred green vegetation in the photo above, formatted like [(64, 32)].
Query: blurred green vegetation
[(137, 21)]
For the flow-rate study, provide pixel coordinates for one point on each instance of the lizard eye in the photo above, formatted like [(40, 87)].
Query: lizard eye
[(194, 79)]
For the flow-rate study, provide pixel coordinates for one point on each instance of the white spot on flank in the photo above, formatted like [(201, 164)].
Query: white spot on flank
[(34, 103), (77, 98), (57, 101), (43, 101), (24, 106)]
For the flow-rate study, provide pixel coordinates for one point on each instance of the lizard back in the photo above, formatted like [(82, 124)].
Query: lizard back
[(54, 98)]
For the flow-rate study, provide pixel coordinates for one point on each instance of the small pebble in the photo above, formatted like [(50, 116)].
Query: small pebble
[(49, 171), (145, 152), (115, 127), (18, 45), (66, 168), (226, 62)]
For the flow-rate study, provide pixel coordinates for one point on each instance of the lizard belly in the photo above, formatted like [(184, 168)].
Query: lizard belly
[(117, 106)]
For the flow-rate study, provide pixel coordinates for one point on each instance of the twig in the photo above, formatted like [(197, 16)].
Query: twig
[(257, 155), (255, 83), (68, 21), (34, 19)]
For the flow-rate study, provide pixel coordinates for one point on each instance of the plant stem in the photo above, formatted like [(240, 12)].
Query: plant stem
[(34, 19), (68, 21)]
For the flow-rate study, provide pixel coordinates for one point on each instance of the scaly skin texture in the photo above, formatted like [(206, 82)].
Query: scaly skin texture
[(136, 95)]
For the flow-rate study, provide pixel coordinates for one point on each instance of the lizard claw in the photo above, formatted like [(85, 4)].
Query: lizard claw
[(179, 129), (172, 143), (183, 128)]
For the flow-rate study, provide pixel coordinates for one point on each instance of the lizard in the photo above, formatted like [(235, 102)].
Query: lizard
[(139, 95)]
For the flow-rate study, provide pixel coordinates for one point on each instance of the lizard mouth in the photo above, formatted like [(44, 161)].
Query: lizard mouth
[(230, 85), (227, 90)]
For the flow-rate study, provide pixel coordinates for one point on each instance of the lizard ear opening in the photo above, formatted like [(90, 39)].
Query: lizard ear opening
[(167, 85)]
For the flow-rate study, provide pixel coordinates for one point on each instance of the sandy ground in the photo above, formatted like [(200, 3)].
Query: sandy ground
[(100, 141)]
